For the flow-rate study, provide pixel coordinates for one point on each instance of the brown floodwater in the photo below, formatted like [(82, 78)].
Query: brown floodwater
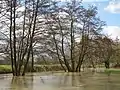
[(61, 81)]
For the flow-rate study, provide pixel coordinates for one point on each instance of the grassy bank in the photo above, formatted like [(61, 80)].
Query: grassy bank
[(37, 68), (112, 70), (5, 69), (44, 68)]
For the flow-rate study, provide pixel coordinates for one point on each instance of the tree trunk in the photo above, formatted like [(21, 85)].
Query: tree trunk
[(14, 36), (32, 63), (11, 53), (107, 64), (72, 48), (58, 53), (63, 53)]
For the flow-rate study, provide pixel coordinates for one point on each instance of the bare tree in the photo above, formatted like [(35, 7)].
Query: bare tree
[(68, 23)]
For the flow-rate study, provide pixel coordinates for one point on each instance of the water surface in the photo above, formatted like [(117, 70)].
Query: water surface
[(61, 81)]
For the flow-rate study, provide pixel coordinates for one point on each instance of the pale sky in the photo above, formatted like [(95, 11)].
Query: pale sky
[(109, 11)]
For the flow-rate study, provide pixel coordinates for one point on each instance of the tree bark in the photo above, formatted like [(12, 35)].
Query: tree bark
[(72, 48), (32, 62), (11, 53), (14, 35)]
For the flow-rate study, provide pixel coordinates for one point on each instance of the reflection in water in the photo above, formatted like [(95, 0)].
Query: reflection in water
[(62, 81), (22, 83)]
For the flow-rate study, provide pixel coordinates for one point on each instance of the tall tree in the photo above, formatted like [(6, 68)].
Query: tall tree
[(67, 23)]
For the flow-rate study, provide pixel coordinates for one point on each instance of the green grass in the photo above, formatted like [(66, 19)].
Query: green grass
[(5, 69), (112, 70), (37, 68), (56, 67)]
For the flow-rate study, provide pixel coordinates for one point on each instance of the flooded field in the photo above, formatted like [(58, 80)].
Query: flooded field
[(61, 81)]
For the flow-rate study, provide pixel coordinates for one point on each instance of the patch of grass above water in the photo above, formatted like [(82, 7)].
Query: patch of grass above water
[(112, 70), (37, 68), (44, 68), (5, 69)]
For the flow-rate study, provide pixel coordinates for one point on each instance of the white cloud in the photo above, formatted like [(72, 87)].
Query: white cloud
[(112, 31), (113, 7)]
